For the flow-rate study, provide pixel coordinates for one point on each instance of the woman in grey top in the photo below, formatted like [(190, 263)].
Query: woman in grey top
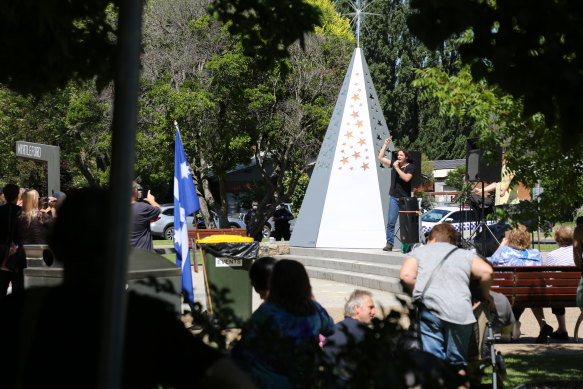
[(447, 321)]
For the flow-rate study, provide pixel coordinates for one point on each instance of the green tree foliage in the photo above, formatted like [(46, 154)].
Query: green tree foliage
[(297, 197), (531, 49), (290, 130), (426, 171), (533, 151), (267, 27), (230, 108), (75, 118), (456, 179), (53, 42), (47, 43)]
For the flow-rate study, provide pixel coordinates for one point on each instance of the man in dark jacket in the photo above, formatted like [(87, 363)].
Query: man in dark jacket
[(250, 222), (281, 218), (9, 233)]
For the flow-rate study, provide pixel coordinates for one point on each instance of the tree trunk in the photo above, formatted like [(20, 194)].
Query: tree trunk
[(223, 219), (206, 198)]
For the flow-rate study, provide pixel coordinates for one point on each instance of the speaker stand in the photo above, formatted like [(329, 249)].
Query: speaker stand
[(482, 225)]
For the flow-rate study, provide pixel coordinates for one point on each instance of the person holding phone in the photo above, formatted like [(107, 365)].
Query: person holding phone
[(142, 213)]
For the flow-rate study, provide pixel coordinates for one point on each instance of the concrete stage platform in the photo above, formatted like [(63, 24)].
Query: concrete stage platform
[(366, 268)]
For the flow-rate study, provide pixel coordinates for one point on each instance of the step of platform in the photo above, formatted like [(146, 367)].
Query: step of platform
[(355, 266), (364, 255), (363, 280), (365, 268)]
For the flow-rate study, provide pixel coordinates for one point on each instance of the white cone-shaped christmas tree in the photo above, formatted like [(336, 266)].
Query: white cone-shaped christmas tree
[(346, 201)]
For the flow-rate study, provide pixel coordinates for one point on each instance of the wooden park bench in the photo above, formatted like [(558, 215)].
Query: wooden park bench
[(539, 286)]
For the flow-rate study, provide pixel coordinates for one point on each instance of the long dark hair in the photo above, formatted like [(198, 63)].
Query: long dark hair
[(289, 288)]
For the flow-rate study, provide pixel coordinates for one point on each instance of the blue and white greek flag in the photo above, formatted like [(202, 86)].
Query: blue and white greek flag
[(185, 203)]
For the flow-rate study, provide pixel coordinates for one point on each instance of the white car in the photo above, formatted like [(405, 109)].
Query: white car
[(163, 226), (462, 219)]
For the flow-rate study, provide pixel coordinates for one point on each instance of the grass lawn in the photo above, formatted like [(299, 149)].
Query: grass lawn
[(546, 246), (523, 368), (163, 242), (170, 257)]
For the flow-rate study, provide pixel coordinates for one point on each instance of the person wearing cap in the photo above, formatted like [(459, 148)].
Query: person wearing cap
[(142, 213)]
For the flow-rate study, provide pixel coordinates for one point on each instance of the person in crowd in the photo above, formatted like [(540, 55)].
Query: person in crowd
[(43, 203), (281, 219), (33, 223), (359, 310), (142, 213), (439, 274), (401, 177), (279, 347), (563, 256), (259, 274), (250, 220), (2, 199), (9, 232), (20, 196), (578, 257), (158, 350), (514, 251), (50, 209), (61, 197), (503, 318)]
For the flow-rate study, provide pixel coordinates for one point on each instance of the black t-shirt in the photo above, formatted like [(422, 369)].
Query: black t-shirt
[(400, 188)]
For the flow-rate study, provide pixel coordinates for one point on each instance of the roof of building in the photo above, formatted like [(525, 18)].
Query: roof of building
[(448, 163)]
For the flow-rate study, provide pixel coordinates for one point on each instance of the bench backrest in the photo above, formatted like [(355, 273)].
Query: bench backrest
[(537, 286)]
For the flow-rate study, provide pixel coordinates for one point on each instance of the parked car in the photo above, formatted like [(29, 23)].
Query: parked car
[(464, 219), (163, 226)]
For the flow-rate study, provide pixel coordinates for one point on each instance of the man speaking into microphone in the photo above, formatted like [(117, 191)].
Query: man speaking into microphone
[(400, 186)]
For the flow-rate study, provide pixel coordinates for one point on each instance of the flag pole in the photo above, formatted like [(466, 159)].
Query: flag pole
[(185, 203)]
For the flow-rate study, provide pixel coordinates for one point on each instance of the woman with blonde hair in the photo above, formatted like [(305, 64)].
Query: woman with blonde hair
[(33, 223), (514, 251)]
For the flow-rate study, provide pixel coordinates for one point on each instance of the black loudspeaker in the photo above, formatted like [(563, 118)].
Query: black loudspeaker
[(415, 159), (482, 169), (409, 220), (485, 243)]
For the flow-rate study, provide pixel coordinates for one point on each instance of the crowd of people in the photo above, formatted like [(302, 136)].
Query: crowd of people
[(290, 341), (514, 251), (25, 219)]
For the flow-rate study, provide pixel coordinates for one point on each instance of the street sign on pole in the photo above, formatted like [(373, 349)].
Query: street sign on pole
[(49, 154)]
